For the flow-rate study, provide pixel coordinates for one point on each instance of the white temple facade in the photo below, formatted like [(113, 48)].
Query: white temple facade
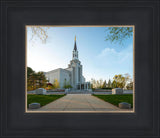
[(73, 75)]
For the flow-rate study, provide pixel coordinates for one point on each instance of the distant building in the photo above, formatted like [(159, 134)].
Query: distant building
[(71, 75)]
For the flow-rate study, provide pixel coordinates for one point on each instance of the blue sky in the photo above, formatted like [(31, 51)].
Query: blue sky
[(100, 59)]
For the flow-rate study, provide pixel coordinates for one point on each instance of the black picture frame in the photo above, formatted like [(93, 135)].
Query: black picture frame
[(143, 123)]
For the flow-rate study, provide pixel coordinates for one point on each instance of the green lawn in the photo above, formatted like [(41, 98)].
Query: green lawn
[(42, 99), (116, 99)]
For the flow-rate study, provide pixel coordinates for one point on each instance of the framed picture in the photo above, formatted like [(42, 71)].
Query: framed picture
[(80, 69), (104, 88)]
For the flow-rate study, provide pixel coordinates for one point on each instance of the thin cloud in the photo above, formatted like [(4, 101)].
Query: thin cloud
[(107, 51), (113, 56)]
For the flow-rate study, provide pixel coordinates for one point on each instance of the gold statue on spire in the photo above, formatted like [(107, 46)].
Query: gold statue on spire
[(75, 37)]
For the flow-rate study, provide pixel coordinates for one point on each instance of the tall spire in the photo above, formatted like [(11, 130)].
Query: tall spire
[(75, 51), (75, 46)]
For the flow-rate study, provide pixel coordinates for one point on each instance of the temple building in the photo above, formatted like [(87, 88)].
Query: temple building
[(73, 75)]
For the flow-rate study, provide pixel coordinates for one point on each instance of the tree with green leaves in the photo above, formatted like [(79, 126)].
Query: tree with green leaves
[(35, 79), (29, 71), (118, 34), (41, 79), (66, 84), (114, 84), (120, 80), (114, 34)]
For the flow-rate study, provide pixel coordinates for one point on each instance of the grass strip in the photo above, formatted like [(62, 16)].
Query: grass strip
[(42, 99), (116, 99)]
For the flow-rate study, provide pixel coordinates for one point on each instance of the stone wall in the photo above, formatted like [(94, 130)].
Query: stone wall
[(102, 90)]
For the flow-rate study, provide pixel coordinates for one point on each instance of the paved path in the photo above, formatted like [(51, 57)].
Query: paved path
[(78, 102)]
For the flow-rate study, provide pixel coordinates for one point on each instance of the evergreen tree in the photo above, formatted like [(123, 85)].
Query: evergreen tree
[(35, 80), (109, 83), (104, 84)]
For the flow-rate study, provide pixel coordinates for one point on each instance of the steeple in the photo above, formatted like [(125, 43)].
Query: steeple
[(75, 46), (75, 51)]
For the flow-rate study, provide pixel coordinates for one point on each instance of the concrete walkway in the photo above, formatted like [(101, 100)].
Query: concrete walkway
[(78, 102)]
